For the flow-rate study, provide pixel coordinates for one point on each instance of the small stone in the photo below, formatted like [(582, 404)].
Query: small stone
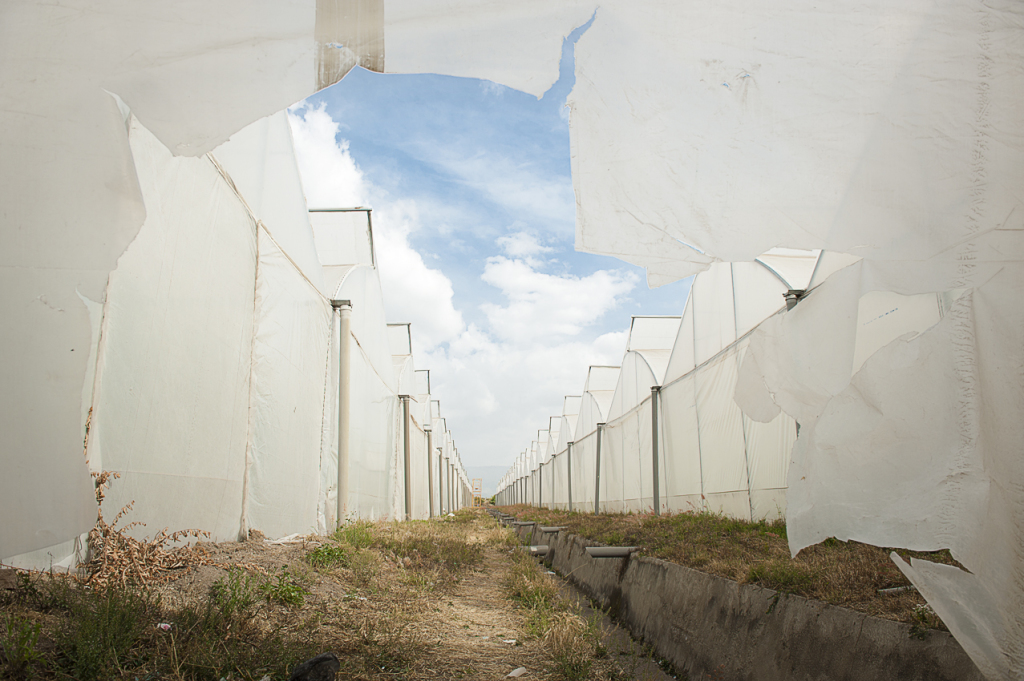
[(515, 673), (323, 667)]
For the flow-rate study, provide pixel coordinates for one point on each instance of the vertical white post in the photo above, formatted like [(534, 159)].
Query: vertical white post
[(655, 393), (597, 470), (430, 470), (406, 451), (344, 308), (568, 466)]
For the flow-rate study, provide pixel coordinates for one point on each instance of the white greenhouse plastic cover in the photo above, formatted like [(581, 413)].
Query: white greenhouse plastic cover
[(648, 349), (598, 390), (570, 415), (73, 203), (400, 342), (889, 133), (217, 410)]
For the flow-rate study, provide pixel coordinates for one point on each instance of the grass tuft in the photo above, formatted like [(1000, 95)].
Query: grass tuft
[(287, 589), (19, 645), (328, 556), (569, 641)]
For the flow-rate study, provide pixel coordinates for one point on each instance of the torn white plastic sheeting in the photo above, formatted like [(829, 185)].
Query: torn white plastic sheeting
[(260, 160), (892, 119), (171, 412), (72, 202), (918, 447), (516, 44)]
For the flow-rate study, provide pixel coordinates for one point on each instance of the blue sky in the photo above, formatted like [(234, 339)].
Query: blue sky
[(474, 208)]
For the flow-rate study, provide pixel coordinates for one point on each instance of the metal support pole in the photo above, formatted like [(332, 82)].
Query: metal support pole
[(655, 393), (344, 308), (406, 452), (440, 481), (597, 471), (568, 465), (430, 470)]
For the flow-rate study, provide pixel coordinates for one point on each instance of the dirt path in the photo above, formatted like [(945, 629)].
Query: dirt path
[(475, 623)]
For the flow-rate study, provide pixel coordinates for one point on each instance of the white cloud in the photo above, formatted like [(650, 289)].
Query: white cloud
[(330, 178), (500, 381), (518, 187), (545, 305), (504, 381), (522, 244), (413, 292)]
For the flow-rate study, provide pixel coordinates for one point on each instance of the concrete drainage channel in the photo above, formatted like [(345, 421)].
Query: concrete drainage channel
[(713, 628)]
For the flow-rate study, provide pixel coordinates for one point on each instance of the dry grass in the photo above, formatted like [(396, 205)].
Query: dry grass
[(849, 574), (571, 642), (119, 558), (417, 600)]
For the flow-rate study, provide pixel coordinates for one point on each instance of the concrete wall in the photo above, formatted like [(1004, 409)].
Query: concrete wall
[(715, 628)]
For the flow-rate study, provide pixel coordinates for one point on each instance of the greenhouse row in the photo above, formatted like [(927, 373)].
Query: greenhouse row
[(242, 351), (663, 431), (170, 304)]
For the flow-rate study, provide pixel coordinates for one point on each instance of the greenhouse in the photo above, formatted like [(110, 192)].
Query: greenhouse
[(842, 182)]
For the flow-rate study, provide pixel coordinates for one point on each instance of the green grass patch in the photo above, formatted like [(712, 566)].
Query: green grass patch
[(329, 556), (286, 589)]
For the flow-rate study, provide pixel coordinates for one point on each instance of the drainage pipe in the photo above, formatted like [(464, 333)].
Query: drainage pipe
[(611, 551), (344, 308)]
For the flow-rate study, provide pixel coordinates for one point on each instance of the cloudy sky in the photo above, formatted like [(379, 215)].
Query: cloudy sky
[(473, 214)]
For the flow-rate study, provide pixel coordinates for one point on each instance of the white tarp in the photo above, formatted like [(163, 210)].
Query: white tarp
[(171, 412), (193, 73), (888, 133)]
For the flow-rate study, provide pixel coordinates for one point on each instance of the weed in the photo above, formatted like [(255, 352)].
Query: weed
[(286, 590), (19, 645), (358, 534), (106, 628), (569, 642), (234, 599), (429, 545), (785, 576), (327, 556), (365, 568), (533, 591), (924, 619)]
